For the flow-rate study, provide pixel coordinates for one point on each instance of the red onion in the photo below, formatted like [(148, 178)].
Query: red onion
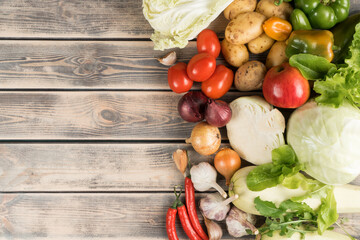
[(218, 113), (192, 105)]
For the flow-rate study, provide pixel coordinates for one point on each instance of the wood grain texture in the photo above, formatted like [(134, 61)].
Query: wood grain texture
[(82, 19), (129, 65), (96, 216), (78, 19), (94, 115), (92, 167)]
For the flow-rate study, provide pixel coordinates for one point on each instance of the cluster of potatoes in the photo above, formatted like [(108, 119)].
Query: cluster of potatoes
[(246, 27)]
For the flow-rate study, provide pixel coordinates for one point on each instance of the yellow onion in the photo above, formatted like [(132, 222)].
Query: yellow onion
[(227, 162), (205, 139)]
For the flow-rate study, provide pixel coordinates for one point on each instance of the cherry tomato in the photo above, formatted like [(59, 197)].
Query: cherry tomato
[(178, 79), (207, 41), (219, 83), (201, 67)]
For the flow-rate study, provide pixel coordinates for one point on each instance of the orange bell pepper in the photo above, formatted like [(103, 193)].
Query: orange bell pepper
[(277, 28)]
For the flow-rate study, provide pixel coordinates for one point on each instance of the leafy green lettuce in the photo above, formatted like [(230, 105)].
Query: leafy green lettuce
[(177, 21), (292, 215), (312, 67), (343, 83), (284, 164)]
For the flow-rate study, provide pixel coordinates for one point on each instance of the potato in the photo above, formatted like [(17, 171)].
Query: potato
[(250, 76), (239, 6), (235, 55), (244, 27), (260, 44), (269, 9), (276, 55)]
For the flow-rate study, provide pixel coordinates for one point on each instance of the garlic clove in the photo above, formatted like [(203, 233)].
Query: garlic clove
[(180, 158), (169, 59), (214, 230)]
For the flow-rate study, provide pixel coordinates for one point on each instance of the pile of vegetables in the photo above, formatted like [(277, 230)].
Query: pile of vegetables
[(300, 182)]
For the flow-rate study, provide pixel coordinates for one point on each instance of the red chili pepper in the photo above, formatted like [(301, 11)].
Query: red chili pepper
[(185, 222), (191, 208), (170, 222), (171, 217)]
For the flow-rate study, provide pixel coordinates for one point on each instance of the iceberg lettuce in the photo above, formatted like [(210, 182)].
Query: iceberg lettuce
[(177, 21), (326, 140)]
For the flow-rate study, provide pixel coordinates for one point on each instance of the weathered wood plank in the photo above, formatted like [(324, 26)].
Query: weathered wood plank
[(78, 19), (86, 65), (82, 19), (92, 167), (94, 115), (96, 216)]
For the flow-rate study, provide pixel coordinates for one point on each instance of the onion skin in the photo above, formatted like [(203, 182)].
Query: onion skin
[(227, 162), (192, 106), (217, 113), (205, 139)]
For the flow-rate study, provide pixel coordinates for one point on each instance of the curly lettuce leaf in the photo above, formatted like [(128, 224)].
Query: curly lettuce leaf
[(177, 21), (284, 165), (345, 82)]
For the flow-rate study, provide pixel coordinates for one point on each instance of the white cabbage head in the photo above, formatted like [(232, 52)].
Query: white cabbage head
[(327, 141), (255, 129)]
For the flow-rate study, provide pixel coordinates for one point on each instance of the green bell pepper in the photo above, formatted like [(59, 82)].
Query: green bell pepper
[(343, 36), (316, 42), (299, 21), (324, 14)]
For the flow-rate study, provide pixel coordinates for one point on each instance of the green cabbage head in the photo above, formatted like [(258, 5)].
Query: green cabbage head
[(177, 21), (327, 141)]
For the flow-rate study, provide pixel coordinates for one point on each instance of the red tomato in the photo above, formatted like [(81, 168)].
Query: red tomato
[(178, 79), (201, 67), (207, 41), (219, 83)]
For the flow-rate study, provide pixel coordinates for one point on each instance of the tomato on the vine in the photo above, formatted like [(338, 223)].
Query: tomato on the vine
[(207, 41), (178, 79), (201, 67), (219, 83)]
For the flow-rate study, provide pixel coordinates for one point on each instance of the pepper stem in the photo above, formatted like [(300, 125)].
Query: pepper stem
[(177, 201), (327, 2), (219, 189), (278, 2)]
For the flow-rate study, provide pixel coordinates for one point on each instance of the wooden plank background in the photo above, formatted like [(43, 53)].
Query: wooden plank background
[(78, 19), (120, 65), (88, 123)]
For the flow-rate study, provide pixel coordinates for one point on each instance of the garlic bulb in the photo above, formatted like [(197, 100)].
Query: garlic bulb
[(214, 207), (203, 177), (238, 221)]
